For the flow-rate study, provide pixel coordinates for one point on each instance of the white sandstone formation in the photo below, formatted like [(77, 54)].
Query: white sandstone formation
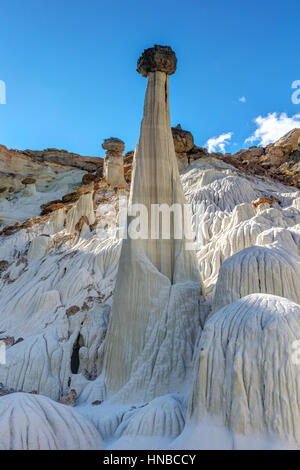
[(20, 205), (30, 189), (164, 416), (34, 422), (38, 247), (38, 288), (40, 284), (113, 169), (57, 291), (58, 272), (31, 179), (223, 217), (59, 341), (83, 208), (153, 424), (247, 368), (267, 269), (155, 320)]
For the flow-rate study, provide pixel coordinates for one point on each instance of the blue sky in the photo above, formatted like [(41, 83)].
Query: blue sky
[(70, 70)]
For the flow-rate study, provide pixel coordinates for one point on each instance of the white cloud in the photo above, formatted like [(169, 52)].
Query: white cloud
[(272, 127), (218, 143), (243, 99)]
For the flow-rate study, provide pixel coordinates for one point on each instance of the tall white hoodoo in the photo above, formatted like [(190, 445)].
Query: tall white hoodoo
[(154, 321)]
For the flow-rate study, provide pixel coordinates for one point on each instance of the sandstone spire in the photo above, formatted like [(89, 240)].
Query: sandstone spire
[(154, 316), (113, 170)]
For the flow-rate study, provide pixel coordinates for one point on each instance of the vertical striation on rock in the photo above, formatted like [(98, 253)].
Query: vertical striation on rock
[(247, 369), (152, 320), (34, 422)]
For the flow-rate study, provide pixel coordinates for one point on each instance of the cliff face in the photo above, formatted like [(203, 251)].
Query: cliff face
[(15, 160), (279, 160), (30, 180)]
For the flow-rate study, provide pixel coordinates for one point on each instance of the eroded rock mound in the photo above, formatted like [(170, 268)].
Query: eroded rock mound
[(265, 269), (247, 371), (164, 416), (34, 422)]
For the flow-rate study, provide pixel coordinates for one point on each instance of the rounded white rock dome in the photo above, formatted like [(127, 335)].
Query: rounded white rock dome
[(35, 422), (247, 368), (258, 269)]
